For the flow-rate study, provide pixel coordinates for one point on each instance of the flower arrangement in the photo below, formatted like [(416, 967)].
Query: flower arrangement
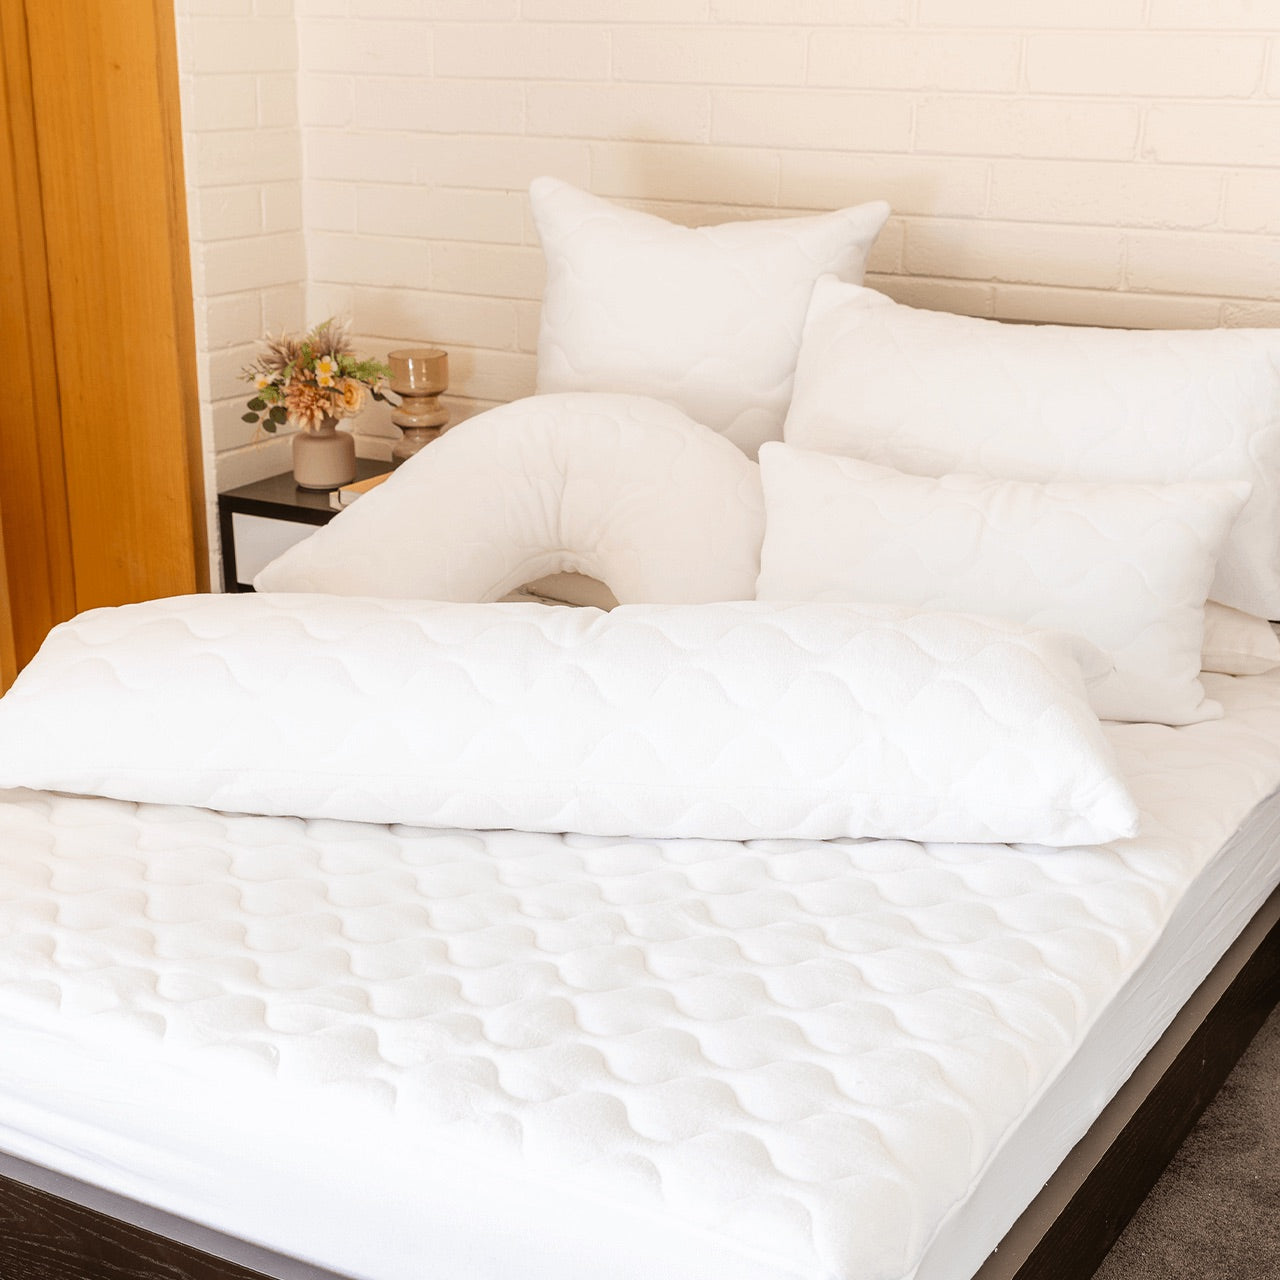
[(311, 379)]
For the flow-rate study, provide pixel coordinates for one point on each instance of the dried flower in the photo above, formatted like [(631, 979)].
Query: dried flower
[(308, 405), (311, 378), (326, 371), (352, 396)]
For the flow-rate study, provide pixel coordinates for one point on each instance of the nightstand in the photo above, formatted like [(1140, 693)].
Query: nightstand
[(259, 521)]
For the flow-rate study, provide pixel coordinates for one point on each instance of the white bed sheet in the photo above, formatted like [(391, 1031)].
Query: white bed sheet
[(396, 1053)]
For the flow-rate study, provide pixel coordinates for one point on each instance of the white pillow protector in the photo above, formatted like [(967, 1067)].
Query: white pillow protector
[(620, 488), (1124, 565), (728, 721), (935, 394), (1238, 644), (706, 318)]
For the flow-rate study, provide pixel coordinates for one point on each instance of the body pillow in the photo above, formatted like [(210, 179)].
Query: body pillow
[(706, 318), (620, 488), (730, 721), (1124, 565), (1235, 643), (937, 394)]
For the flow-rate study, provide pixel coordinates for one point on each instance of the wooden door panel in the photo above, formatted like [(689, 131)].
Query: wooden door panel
[(104, 88), (36, 530)]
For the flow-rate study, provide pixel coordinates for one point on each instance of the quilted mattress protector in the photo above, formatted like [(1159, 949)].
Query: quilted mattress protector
[(401, 1052)]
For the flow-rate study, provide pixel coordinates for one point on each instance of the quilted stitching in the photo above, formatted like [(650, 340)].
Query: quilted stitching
[(807, 1051), (707, 318), (1125, 565), (933, 394), (731, 721)]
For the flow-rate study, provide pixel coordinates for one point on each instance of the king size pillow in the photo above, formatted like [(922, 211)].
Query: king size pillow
[(936, 394), (1125, 565), (730, 721)]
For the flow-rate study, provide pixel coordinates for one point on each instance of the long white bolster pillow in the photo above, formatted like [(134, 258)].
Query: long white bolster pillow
[(733, 721)]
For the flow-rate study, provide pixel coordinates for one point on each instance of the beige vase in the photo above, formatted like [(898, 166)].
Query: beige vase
[(324, 458)]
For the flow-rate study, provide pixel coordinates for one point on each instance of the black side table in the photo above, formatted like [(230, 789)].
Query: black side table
[(261, 520)]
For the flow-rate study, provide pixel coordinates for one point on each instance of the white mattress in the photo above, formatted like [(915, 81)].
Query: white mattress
[(396, 1052)]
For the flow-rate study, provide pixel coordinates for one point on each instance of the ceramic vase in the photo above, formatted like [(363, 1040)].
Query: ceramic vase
[(324, 458)]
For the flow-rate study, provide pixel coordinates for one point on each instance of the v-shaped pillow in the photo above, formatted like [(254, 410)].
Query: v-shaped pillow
[(620, 488)]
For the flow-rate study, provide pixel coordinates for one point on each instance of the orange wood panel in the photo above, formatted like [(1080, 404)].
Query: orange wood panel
[(105, 91), (40, 590), (8, 657)]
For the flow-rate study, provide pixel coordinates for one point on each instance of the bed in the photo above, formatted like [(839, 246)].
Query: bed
[(1141, 937), (479, 1010)]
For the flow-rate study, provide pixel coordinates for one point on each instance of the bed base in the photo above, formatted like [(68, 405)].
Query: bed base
[(1063, 1235)]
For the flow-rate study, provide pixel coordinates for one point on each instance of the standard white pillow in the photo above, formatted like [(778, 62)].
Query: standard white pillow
[(1238, 644), (707, 318), (729, 721), (935, 394), (1124, 565), (620, 488)]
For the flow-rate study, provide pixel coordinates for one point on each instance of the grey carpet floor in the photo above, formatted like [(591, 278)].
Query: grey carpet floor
[(1215, 1213)]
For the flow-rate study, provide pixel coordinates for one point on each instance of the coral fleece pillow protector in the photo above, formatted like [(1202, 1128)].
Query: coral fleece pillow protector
[(730, 721)]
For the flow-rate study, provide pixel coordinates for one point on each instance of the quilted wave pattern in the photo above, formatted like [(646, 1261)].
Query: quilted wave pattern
[(934, 394), (807, 1052), (732, 721), (1127, 566), (620, 488), (706, 318)]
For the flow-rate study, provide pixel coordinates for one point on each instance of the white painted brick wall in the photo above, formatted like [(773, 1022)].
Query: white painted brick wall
[(1108, 161), (243, 158)]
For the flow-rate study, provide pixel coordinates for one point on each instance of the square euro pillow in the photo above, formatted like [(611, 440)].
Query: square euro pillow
[(936, 394), (1124, 565), (707, 318), (729, 721)]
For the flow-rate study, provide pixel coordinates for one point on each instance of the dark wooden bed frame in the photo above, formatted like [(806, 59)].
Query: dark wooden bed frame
[(1063, 1235)]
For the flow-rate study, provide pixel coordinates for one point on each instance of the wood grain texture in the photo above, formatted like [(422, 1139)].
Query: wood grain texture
[(104, 89), (181, 297), (8, 659), (33, 500), (43, 1237)]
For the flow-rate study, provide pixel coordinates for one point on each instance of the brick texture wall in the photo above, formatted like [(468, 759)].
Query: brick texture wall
[(238, 63), (1111, 161)]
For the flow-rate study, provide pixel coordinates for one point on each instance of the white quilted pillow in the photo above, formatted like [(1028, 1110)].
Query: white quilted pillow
[(934, 394), (621, 488), (707, 318), (729, 721), (1124, 565), (1238, 644)]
